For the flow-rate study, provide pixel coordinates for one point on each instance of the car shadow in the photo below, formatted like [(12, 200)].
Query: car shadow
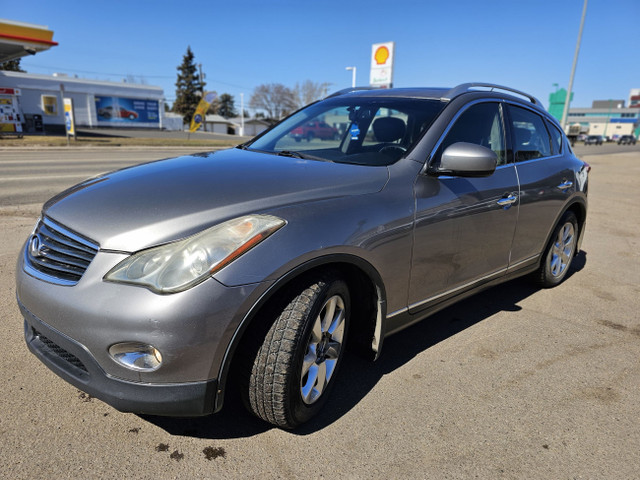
[(359, 376)]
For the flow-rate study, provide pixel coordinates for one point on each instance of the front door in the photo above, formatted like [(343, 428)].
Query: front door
[(464, 227)]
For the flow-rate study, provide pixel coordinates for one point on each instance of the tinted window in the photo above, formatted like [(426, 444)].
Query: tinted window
[(556, 138), (480, 124), (530, 137)]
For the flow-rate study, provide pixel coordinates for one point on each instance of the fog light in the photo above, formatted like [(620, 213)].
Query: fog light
[(136, 356)]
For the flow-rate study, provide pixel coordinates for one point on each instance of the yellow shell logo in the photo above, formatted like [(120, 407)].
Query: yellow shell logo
[(382, 55)]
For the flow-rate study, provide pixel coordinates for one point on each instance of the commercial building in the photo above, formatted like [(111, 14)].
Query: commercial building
[(17, 40), (609, 118), (39, 100)]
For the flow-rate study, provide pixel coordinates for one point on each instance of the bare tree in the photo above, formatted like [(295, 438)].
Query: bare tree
[(274, 98), (309, 91)]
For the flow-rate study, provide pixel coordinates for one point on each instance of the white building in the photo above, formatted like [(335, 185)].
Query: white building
[(95, 103)]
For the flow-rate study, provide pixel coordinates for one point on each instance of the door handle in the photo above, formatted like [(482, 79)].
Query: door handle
[(506, 201), (564, 185)]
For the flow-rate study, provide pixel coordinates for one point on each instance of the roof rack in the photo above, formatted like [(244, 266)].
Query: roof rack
[(467, 87), (349, 90)]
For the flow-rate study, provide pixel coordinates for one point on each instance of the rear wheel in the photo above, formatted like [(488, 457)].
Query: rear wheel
[(294, 369), (559, 253)]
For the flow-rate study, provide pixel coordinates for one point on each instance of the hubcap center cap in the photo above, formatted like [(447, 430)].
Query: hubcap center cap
[(322, 348)]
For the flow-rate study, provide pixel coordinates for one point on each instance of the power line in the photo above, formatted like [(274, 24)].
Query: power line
[(91, 72)]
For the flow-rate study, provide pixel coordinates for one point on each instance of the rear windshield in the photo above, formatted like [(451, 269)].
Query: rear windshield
[(358, 130)]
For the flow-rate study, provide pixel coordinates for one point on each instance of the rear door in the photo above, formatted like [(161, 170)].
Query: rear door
[(546, 181), (464, 226)]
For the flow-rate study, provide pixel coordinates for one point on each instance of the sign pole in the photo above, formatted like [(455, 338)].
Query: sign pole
[(66, 130)]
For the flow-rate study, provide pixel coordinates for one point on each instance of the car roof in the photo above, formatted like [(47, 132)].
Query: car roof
[(442, 94)]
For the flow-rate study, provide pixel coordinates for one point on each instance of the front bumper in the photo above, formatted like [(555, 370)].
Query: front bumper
[(70, 329), (73, 363)]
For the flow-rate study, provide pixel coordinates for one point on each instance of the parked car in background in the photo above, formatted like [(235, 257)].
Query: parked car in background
[(316, 129), (627, 140), (593, 140), (117, 112), (159, 287)]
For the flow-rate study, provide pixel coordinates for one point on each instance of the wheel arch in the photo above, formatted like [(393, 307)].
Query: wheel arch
[(578, 206), (365, 287)]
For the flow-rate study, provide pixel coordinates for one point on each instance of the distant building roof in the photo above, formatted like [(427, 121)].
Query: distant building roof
[(217, 119), (607, 104), (69, 81)]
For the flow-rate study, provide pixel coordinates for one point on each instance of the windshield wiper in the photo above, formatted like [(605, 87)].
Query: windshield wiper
[(290, 153)]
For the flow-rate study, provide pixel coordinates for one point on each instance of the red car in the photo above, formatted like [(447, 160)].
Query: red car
[(108, 112), (312, 130)]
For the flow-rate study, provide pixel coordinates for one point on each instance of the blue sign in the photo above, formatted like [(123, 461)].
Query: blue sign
[(355, 131), (127, 110)]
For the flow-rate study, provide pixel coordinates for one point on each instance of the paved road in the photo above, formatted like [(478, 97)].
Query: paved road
[(513, 383), (29, 176)]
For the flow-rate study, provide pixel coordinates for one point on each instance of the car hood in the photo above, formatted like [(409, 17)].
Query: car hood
[(161, 201)]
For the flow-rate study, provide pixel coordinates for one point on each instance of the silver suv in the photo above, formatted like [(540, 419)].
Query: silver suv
[(156, 288)]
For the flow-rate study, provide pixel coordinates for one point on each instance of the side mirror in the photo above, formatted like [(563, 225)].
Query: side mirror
[(467, 160)]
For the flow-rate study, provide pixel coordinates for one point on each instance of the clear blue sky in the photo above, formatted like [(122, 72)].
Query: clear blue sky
[(524, 44)]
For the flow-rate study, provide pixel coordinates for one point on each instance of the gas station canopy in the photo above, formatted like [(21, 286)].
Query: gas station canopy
[(19, 39)]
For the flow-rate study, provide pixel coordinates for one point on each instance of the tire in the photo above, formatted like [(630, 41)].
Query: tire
[(558, 255), (132, 117), (310, 136), (294, 369)]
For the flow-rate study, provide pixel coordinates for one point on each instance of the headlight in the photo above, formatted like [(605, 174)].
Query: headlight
[(180, 265)]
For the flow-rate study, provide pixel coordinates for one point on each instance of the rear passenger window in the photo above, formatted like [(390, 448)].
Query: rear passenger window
[(530, 137), (556, 138)]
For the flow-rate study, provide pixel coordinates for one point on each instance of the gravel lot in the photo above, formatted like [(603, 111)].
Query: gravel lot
[(513, 383)]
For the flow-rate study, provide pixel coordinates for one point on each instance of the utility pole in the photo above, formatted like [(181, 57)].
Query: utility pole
[(565, 113), (241, 114), (201, 79)]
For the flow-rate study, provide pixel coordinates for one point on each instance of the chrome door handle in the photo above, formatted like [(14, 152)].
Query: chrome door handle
[(565, 185), (511, 199)]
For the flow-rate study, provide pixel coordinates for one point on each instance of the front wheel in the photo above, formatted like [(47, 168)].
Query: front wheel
[(559, 253), (294, 369)]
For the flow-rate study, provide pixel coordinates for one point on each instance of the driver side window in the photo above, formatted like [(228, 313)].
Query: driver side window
[(480, 124)]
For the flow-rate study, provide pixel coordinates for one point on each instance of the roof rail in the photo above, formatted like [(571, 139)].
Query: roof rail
[(467, 87), (348, 90)]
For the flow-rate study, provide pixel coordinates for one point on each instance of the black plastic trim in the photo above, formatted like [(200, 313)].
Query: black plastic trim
[(176, 399)]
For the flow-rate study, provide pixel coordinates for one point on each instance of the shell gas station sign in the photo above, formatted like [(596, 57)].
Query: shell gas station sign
[(382, 65)]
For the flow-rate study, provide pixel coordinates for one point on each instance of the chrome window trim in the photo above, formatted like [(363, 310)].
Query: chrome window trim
[(544, 119)]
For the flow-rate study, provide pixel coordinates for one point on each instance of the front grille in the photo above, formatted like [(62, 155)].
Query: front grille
[(57, 255), (57, 350)]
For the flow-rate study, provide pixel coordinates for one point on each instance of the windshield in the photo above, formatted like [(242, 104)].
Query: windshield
[(358, 130)]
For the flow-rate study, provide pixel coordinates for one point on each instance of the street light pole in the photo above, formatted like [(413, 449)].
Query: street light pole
[(573, 69), (353, 76)]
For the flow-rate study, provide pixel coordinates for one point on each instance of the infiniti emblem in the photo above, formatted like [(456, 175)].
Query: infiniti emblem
[(36, 249)]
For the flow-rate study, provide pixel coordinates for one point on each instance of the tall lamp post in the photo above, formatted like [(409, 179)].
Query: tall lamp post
[(353, 76), (573, 69)]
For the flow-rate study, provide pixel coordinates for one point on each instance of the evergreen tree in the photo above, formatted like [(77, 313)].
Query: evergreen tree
[(12, 65), (188, 87), (226, 107)]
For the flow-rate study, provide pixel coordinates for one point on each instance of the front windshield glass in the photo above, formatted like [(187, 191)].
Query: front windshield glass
[(358, 130)]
